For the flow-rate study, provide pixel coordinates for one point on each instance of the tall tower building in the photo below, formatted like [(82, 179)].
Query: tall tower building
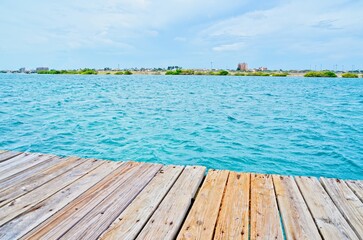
[(242, 66)]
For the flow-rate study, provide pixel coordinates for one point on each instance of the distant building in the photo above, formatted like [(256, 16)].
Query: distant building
[(262, 69), (22, 70), (41, 69), (242, 67)]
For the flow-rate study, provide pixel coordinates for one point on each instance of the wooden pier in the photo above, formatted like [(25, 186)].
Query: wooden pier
[(48, 197)]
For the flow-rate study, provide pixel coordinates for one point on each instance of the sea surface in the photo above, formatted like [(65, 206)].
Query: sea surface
[(297, 126)]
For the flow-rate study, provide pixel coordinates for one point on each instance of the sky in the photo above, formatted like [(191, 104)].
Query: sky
[(277, 34)]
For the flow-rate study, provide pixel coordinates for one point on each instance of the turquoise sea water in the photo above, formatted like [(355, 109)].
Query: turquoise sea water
[(292, 126)]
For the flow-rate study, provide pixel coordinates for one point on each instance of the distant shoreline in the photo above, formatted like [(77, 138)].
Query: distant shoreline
[(199, 73)]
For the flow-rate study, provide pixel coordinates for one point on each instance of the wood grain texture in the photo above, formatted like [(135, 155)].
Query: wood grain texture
[(16, 164), (347, 202), (265, 219), (169, 216), (357, 187), (331, 223), (25, 202), (38, 179), (233, 217), (202, 218), (297, 220), (7, 155), (24, 165), (15, 160), (92, 225), (128, 225), (28, 220), (57, 225)]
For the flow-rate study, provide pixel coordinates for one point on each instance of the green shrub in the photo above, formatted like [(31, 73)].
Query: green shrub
[(259, 74), (222, 73), (127, 72), (199, 73), (119, 73), (349, 75), (87, 71), (320, 74), (174, 72), (187, 72), (279, 74)]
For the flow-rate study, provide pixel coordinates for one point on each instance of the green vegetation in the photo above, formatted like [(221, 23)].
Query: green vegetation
[(320, 74), (81, 71), (279, 74), (127, 72), (180, 72), (172, 72), (192, 72), (222, 73), (259, 74), (88, 71), (240, 74), (349, 75)]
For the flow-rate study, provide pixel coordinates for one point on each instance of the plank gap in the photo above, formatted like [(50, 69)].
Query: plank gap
[(310, 211)]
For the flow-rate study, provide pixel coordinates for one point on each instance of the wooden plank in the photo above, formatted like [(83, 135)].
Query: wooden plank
[(347, 202), (100, 218), (297, 220), (357, 188), (24, 164), (233, 217), (202, 218), (134, 217), (265, 219), (38, 179), (5, 155), (22, 224), (25, 202), (21, 176), (55, 226), (169, 216), (14, 161), (327, 217)]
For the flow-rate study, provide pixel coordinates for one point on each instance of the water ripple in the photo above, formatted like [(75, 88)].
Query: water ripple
[(268, 125)]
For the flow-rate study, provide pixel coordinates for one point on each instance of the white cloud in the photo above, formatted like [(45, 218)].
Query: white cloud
[(229, 47)]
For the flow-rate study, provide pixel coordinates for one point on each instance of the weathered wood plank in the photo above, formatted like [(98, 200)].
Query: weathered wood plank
[(25, 202), (134, 217), (24, 164), (168, 217), (297, 220), (99, 219), (233, 217), (14, 161), (38, 179), (58, 224), (28, 220), (5, 155), (357, 188), (330, 221), (265, 219), (21, 176), (347, 202), (202, 218)]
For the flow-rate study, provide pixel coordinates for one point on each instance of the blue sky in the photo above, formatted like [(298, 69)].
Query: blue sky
[(296, 34)]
